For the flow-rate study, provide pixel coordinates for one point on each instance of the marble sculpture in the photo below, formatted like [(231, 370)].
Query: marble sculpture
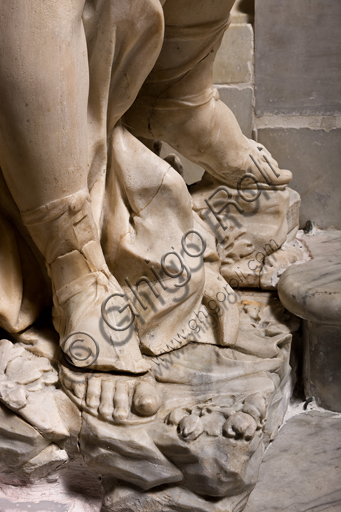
[(128, 340)]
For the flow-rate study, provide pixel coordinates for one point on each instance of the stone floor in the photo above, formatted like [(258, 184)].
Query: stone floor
[(77, 490), (301, 472)]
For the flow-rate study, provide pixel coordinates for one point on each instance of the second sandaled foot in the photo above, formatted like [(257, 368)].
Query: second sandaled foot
[(91, 337)]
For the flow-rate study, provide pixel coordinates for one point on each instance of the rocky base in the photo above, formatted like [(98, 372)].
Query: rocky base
[(220, 407)]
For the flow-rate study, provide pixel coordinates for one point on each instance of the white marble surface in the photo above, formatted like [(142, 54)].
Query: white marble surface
[(313, 290), (219, 407), (301, 470), (300, 473)]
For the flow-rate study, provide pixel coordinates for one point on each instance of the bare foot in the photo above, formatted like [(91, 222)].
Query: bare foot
[(113, 398)]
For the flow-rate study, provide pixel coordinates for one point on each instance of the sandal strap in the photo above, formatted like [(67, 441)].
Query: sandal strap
[(78, 285), (54, 209)]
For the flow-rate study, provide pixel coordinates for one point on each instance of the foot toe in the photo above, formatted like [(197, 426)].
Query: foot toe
[(106, 407), (146, 399), (121, 401), (93, 393)]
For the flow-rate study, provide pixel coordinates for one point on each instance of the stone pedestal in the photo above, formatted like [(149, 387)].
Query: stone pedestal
[(312, 291), (322, 364), (201, 451)]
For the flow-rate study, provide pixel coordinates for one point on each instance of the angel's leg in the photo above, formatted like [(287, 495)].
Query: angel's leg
[(179, 105), (43, 154)]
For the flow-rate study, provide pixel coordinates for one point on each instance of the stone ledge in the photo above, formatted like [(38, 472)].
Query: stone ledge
[(312, 290)]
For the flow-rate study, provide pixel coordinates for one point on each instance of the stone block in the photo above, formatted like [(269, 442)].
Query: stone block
[(297, 57), (239, 100), (322, 364), (234, 60), (19, 441), (314, 158), (312, 291)]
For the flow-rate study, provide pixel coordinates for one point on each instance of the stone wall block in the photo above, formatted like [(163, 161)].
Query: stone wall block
[(322, 373), (239, 100), (297, 57), (234, 60), (314, 158)]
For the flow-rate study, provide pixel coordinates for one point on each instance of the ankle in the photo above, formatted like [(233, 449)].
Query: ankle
[(71, 267), (62, 226), (68, 268)]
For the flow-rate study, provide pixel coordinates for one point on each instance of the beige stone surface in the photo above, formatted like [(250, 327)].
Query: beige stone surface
[(123, 343), (234, 61), (243, 11), (240, 100), (314, 157)]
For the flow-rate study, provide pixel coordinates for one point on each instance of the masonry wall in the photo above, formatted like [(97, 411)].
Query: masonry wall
[(279, 70), (298, 98)]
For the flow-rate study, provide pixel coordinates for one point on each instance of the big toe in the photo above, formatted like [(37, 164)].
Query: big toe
[(146, 399)]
